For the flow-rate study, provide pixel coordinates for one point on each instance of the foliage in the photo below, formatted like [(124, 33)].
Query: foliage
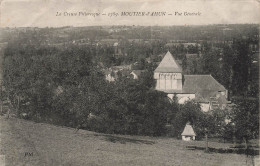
[(65, 87), (245, 117), (64, 84), (217, 121)]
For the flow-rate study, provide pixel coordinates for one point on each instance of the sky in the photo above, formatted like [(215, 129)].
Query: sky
[(42, 13)]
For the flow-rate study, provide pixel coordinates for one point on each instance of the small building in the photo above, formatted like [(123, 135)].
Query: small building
[(188, 133), (113, 73), (136, 74), (110, 76)]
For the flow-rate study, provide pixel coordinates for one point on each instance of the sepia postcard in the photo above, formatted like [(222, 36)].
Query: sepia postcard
[(129, 82)]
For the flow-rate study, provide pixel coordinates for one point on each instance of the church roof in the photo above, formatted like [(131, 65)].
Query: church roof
[(168, 65), (188, 131), (201, 84), (204, 86)]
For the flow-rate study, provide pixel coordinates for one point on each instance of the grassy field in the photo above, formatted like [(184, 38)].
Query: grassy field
[(53, 145)]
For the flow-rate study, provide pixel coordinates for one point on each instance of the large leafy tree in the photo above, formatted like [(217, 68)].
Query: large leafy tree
[(245, 117)]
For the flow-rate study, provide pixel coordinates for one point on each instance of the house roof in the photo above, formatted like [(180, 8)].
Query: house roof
[(188, 131), (168, 65), (137, 72), (115, 44)]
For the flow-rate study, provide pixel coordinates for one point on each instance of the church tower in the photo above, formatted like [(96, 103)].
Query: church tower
[(168, 75)]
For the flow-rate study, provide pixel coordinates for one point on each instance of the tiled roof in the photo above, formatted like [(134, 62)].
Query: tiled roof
[(203, 86), (188, 131), (168, 65), (201, 83)]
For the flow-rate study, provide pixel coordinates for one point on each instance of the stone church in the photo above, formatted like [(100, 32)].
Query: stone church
[(204, 89)]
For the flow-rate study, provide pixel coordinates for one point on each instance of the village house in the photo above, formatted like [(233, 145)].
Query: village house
[(136, 74), (111, 74), (204, 89)]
